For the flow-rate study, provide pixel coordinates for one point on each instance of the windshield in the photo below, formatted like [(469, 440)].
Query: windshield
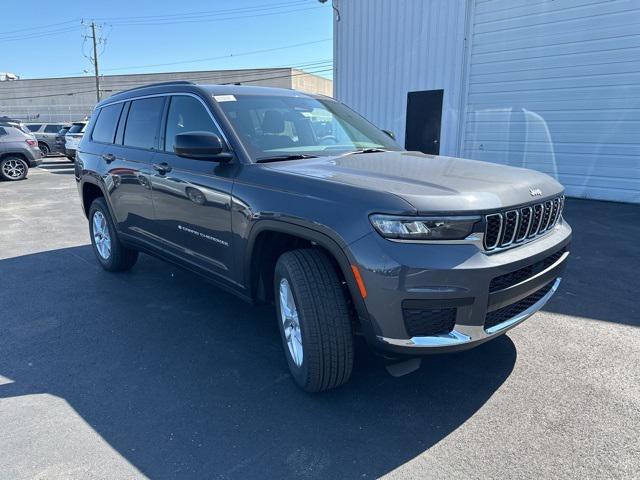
[(280, 125), (76, 128)]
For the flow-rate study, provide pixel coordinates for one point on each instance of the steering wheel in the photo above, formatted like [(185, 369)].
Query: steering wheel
[(329, 140)]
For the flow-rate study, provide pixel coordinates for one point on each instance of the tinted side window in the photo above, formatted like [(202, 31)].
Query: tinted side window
[(34, 128), (186, 114), (2, 131), (142, 122), (51, 128), (106, 123)]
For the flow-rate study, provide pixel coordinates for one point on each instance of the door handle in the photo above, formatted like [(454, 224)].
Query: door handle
[(162, 168), (109, 157)]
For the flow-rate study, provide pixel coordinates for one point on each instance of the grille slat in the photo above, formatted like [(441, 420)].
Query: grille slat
[(503, 229)]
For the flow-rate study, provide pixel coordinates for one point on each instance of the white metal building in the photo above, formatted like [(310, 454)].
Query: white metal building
[(552, 85)]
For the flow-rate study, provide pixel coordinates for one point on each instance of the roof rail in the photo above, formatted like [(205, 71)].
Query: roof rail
[(175, 82)]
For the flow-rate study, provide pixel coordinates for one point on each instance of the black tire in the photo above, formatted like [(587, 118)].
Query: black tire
[(120, 258), (44, 148), (71, 159), (13, 168), (323, 317)]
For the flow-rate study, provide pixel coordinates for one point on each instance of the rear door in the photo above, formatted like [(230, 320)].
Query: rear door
[(128, 162), (192, 198)]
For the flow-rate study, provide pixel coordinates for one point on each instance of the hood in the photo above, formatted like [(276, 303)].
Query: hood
[(431, 183)]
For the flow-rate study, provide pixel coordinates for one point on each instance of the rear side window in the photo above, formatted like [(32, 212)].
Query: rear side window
[(34, 128), (51, 128), (106, 124), (143, 121), (187, 114), (2, 131)]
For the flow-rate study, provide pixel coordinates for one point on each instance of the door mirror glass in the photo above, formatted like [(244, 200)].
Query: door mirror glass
[(200, 146)]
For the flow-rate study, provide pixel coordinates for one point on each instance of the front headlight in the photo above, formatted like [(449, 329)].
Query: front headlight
[(424, 228)]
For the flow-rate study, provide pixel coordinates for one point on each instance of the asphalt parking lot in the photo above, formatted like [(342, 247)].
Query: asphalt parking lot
[(154, 373)]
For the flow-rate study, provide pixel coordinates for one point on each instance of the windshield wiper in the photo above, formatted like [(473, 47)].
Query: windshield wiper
[(367, 150), (281, 158)]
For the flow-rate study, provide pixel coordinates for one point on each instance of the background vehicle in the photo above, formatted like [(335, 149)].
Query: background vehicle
[(346, 232), (18, 152), (72, 139), (45, 133), (60, 140)]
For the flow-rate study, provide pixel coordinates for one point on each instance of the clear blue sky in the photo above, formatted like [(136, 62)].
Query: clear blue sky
[(35, 43)]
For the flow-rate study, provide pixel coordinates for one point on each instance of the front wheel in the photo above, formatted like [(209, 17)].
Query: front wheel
[(314, 320), (13, 168), (112, 255)]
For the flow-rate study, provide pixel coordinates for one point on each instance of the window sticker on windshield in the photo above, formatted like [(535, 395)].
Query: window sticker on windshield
[(224, 98)]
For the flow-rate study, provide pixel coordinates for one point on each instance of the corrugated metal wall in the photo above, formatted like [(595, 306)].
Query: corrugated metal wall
[(384, 49), (555, 86)]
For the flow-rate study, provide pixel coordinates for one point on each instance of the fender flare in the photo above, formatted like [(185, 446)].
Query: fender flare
[(92, 180), (336, 247)]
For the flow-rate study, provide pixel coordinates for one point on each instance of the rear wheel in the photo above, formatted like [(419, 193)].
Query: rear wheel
[(13, 168), (314, 320), (110, 252), (44, 148)]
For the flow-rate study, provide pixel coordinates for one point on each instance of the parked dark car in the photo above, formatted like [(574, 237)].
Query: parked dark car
[(346, 232), (46, 134), (18, 151), (59, 144)]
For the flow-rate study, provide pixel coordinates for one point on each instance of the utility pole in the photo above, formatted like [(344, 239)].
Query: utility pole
[(95, 59), (97, 40)]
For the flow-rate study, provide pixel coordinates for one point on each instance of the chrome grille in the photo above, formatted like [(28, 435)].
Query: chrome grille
[(511, 227)]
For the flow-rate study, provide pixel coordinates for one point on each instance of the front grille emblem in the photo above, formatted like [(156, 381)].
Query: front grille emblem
[(535, 192)]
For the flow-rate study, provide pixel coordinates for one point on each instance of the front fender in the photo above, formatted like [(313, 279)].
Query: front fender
[(317, 234)]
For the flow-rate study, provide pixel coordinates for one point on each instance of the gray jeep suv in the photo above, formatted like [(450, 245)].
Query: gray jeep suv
[(281, 196), (18, 151)]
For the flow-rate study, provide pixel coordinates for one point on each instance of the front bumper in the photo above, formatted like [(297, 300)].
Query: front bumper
[(456, 278)]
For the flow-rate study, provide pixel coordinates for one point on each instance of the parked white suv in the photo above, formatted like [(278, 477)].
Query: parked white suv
[(72, 139)]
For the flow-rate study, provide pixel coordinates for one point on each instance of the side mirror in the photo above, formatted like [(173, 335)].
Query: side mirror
[(390, 133), (201, 146)]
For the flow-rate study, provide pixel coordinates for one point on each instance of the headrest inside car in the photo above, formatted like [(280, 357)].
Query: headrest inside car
[(273, 122)]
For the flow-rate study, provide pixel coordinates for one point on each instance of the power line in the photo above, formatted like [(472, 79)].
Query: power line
[(263, 6), (221, 57), (211, 19), (41, 34), (40, 27)]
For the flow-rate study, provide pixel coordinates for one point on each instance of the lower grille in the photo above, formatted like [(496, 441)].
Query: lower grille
[(428, 322), (506, 313), (512, 278)]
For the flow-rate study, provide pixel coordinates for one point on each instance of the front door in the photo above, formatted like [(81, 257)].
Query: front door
[(424, 116), (192, 198)]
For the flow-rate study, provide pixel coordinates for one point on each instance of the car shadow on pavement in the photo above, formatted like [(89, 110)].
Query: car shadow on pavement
[(601, 280), (184, 380)]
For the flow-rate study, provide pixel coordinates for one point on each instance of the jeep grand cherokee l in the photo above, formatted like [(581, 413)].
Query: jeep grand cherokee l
[(281, 196)]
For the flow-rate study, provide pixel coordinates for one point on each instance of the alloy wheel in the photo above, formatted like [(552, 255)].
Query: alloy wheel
[(14, 169), (290, 322), (101, 235)]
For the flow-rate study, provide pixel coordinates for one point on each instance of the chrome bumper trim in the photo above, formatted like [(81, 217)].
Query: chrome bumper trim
[(467, 334)]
